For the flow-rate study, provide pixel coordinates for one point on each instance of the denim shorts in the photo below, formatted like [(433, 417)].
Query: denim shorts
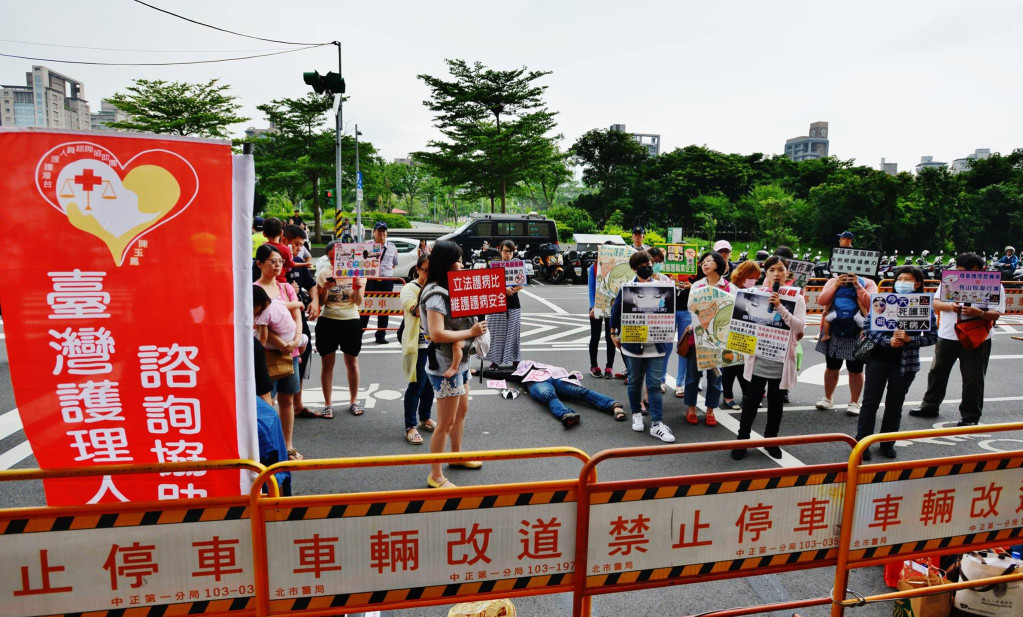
[(289, 384), (444, 387)]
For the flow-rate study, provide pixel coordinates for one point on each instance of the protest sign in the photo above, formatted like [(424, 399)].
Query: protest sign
[(612, 270), (514, 271), (971, 287), (892, 311), (854, 261), (679, 260), (477, 292), (711, 309), (133, 342), (801, 271), (360, 259), (648, 313), (756, 328)]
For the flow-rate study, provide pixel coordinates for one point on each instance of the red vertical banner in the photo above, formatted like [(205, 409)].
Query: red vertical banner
[(128, 314)]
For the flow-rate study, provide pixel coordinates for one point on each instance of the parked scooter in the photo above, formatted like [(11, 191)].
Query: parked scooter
[(547, 261)]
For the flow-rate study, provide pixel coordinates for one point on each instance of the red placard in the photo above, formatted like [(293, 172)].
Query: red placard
[(477, 292), (129, 324)]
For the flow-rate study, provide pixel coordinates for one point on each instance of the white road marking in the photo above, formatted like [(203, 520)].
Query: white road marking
[(554, 307), (15, 455), (10, 423)]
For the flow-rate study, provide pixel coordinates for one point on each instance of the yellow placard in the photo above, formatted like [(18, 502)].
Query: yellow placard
[(743, 343), (634, 334)]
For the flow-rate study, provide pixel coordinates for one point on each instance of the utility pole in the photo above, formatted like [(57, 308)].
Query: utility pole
[(358, 189), (337, 152)]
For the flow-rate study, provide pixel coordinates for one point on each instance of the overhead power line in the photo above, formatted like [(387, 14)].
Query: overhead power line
[(248, 36), (276, 53), (157, 51)]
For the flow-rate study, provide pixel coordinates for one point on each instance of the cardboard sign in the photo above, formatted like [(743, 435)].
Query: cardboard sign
[(892, 311), (977, 288), (612, 270), (514, 272), (854, 261), (133, 342), (801, 271), (757, 328), (360, 259), (711, 309), (679, 260), (648, 313), (477, 292)]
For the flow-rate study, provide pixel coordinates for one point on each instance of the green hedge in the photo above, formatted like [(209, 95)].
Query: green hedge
[(394, 221)]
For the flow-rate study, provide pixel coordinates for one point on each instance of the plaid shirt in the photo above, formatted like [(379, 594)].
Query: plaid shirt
[(911, 350)]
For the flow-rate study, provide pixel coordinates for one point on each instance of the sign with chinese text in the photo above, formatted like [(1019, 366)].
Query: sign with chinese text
[(648, 313), (711, 309), (360, 259), (477, 292), (612, 270), (514, 271), (891, 311), (87, 567), (854, 261), (132, 343), (973, 287), (679, 260), (801, 271), (380, 302), (513, 539), (756, 328), (758, 524)]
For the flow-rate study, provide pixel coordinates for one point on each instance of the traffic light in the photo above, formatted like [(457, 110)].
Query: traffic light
[(330, 197), (331, 83)]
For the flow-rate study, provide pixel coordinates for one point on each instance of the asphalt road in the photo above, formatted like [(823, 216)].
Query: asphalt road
[(555, 330)]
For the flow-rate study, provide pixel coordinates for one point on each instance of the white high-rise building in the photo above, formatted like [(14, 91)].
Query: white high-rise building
[(961, 165), (49, 100)]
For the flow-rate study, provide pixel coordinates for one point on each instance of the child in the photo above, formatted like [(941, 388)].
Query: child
[(844, 314), (273, 321)]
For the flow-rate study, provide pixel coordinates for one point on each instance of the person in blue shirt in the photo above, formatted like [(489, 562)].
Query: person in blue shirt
[(1010, 258)]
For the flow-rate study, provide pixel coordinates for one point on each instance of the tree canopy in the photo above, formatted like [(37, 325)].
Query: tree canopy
[(180, 108)]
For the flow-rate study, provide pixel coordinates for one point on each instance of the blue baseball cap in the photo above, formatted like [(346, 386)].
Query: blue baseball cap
[(846, 234)]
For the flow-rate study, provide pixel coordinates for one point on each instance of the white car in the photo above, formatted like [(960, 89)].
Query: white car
[(407, 256)]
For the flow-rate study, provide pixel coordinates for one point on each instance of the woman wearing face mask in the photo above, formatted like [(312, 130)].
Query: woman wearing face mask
[(744, 276), (769, 375), (894, 363), (713, 266)]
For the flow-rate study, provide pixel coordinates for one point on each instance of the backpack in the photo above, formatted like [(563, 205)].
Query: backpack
[(846, 305)]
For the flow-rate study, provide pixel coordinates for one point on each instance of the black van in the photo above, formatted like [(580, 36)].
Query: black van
[(522, 229)]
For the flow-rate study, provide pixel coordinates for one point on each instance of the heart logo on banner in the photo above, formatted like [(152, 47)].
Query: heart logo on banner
[(118, 203)]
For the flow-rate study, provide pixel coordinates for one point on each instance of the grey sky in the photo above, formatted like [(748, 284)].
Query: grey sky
[(894, 79)]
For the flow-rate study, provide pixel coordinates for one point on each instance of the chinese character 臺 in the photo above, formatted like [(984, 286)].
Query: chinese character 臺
[(78, 295)]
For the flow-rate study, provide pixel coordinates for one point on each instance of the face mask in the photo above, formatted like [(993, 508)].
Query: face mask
[(749, 283), (644, 272), (657, 267), (904, 287)]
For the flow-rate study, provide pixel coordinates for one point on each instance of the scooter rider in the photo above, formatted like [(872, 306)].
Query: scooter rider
[(1010, 259)]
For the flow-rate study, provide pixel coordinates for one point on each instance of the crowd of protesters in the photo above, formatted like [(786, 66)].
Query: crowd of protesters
[(290, 291)]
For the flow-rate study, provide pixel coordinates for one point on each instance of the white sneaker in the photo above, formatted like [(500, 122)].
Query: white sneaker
[(637, 422), (661, 431), (853, 409), (825, 403), (664, 387)]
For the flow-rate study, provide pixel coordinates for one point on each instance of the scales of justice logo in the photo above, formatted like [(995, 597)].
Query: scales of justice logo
[(117, 202)]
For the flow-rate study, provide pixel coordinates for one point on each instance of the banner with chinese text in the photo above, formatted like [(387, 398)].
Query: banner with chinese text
[(612, 270), (854, 261), (891, 311), (132, 343), (477, 292), (648, 312), (679, 261), (975, 287), (756, 328), (514, 271), (711, 310), (357, 259)]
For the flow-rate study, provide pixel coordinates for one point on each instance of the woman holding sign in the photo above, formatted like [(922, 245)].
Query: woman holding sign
[(506, 328), (443, 330), (770, 375), (714, 267), (894, 363)]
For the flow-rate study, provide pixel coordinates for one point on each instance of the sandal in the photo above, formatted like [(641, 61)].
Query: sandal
[(413, 437), (328, 413), (356, 410), (680, 392), (427, 426), (619, 413), (466, 464), (710, 420), (445, 483), (305, 412), (294, 455), (691, 417)]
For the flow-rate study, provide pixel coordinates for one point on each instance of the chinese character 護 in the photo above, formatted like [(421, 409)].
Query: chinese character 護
[(174, 362), (85, 351), (92, 401), (78, 295)]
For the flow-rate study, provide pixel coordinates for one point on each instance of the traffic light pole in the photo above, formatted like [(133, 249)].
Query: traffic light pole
[(358, 190), (337, 148)]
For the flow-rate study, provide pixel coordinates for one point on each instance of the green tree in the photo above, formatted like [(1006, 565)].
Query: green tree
[(406, 181), (495, 124), (777, 212), (179, 108), (543, 184), (577, 219), (612, 163)]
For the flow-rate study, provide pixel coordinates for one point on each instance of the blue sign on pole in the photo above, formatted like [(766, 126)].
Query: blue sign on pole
[(358, 181)]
